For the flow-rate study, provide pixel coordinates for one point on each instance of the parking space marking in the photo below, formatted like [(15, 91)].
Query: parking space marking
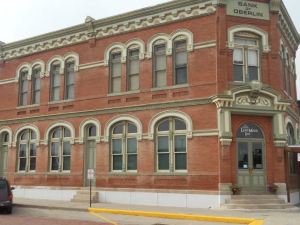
[(103, 218)]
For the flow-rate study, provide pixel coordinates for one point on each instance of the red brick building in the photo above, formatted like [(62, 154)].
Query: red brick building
[(170, 105)]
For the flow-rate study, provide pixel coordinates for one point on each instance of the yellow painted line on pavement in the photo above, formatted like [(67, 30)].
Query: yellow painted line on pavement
[(235, 220), (103, 218)]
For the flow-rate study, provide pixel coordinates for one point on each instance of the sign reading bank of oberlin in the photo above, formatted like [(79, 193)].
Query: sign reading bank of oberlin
[(249, 9)]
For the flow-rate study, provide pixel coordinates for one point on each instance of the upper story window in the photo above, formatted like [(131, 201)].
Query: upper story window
[(159, 64), (60, 149), (23, 87), (133, 69), (69, 79), (55, 81), (180, 59), (115, 68), (26, 159), (246, 58), (290, 134), (36, 85)]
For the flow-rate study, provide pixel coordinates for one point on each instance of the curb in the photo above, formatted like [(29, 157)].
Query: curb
[(235, 220), (49, 207)]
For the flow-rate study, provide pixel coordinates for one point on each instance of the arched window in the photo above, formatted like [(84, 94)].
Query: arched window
[(26, 151), (55, 81), (290, 134), (115, 71), (69, 78), (133, 68), (23, 87), (159, 64), (4, 140), (60, 149), (36, 85), (124, 146), (180, 60), (171, 145), (246, 57)]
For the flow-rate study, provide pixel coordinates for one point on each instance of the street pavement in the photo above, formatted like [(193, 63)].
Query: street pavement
[(78, 211)]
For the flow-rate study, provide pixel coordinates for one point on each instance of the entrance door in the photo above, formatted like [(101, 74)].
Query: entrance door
[(251, 159), (3, 160), (90, 159)]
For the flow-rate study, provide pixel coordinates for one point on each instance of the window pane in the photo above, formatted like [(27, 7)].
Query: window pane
[(117, 162), (238, 73), (24, 86), (163, 162), (238, 56), (67, 148), (67, 132), (243, 155), (22, 164), (180, 161), (116, 69), (117, 146), (22, 150), (131, 145), (252, 58), (36, 98), (181, 58), (257, 156), (54, 163), (134, 83), (164, 126), (181, 75), (32, 150), (37, 83), (66, 163), (161, 79), (24, 99), (56, 133), (163, 144), (55, 94), (56, 80), (54, 148), (92, 131), (179, 125), (70, 92), (132, 128), (116, 84), (134, 67), (160, 62), (253, 73), (118, 129), (32, 163), (33, 135), (132, 162), (25, 135), (180, 143)]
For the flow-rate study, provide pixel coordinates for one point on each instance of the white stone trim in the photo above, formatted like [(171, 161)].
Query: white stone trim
[(248, 28), (53, 59), (156, 37), (139, 43), (57, 124), (39, 63), (10, 134), (188, 35), (74, 56), (24, 65), (31, 127), (116, 45), (171, 113), (120, 118), (84, 123)]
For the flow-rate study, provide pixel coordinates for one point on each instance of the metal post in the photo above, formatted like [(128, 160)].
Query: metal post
[(90, 193)]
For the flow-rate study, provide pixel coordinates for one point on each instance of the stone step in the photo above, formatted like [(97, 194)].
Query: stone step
[(84, 196), (258, 206), (254, 197)]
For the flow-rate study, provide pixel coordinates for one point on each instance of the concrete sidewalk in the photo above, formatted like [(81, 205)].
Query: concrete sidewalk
[(272, 217)]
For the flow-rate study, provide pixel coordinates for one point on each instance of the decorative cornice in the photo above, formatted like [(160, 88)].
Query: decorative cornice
[(140, 19)]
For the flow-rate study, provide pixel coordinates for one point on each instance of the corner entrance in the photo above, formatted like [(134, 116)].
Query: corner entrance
[(251, 167)]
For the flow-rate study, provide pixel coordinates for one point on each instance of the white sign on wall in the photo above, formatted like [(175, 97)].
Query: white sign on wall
[(91, 174), (249, 9), (298, 157)]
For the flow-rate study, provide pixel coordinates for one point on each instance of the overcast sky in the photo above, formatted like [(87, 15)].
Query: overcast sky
[(20, 19)]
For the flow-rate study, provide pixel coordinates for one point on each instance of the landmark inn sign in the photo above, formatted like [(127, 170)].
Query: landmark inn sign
[(254, 10)]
